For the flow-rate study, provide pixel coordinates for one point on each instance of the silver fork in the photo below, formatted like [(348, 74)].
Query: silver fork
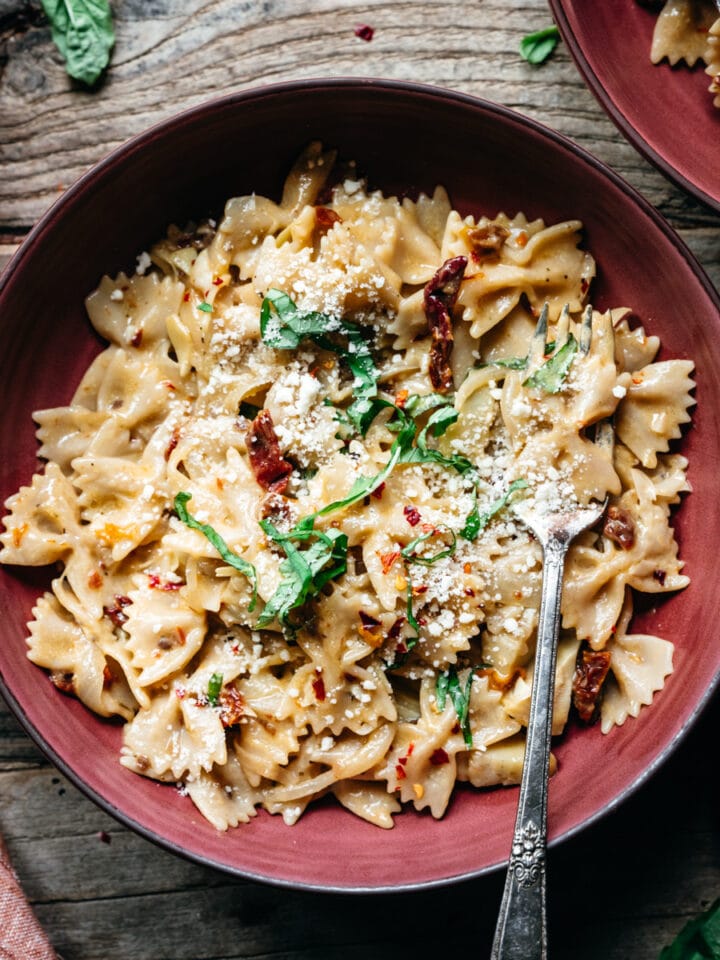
[(521, 931)]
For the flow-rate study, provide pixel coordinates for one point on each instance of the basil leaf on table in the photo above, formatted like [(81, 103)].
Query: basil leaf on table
[(537, 47), (82, 30)]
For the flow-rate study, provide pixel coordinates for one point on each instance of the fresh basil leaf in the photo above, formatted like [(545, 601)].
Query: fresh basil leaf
[(550, 376), (475, 521), (205, 307), (303, 573), (82, 30), (232, 559), (408, 552), (537, 47), (214, 687), (283, 327), (448, 684), (699, 939), (510, 363)]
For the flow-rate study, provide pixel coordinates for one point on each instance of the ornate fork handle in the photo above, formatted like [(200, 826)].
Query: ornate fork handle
[(521, 932)]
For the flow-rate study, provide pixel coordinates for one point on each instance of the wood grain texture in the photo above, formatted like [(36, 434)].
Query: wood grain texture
[(620, 889)]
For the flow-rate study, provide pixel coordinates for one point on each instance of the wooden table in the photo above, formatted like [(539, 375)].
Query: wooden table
[(624, 887)]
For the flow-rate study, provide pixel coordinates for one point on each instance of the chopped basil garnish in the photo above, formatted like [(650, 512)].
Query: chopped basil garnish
[(243, 566), (410, 556), (699, 939), (214, 687), (448, 684), (537, 47), (511, 363), (283, 327), (82, 30), (476, 521), (304, 573), (205, 307), (550, 376)]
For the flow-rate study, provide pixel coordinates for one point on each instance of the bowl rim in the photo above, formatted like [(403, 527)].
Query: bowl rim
[(624, 125), (120, 155)]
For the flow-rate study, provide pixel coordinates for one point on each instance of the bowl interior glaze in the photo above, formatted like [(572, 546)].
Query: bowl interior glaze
[(404, 137), (665, 112)]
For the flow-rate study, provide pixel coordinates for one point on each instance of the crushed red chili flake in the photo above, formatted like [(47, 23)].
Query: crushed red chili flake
[(218, 281), (155, 582), (387, 560), (401, 398), (174, 440), (104, 837), (370, 629), (588, 679), (107, 677), (325, 219), (412, 515), (186, 296), (394, 631), (619, 526), (232, 706), (660, 576), (318, 686), (400, 772), (486, 241), (271, 470), (364, 32), (181, 636), (115, 613), (439, 757), (136, 339), (378, 491), (65, 682), (439, 297), (584, 284), (94, 580)]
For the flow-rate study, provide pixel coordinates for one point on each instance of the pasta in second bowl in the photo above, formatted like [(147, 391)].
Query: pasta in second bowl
[(283, 504)]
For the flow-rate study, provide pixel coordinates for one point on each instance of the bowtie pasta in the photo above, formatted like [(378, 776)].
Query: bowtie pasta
[(282, 501), (689, 31)]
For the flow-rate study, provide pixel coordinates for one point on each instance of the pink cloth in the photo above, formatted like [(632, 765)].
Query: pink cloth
[(21, 936)]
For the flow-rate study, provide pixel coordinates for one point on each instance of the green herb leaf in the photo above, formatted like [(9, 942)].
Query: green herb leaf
[(475, 521), (699, 939), (408, 552), (550, 376), (214, 687), (232, 559), (82, 30), (510, 363), (303, 573), (283, 327), (537, 47), (448, 684), (205, 307)]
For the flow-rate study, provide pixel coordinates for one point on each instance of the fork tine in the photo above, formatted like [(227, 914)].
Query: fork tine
[(537, 344), (563, 327), (586, 330)]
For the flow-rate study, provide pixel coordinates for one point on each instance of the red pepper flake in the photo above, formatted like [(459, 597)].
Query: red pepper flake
[(326, 219), (318, 686), (186, 296), (364, 32), (439, 757), (370, 629), (181, 635), (94, 580), (439, 297), (116, 614), (469, 592), (400, 772), (65, 682), (388, 559), (271, 470), (395, 629), (218, 281), (378, 491), (107, 677), (174, 440), (584, 285), (401, 398), (232, 706), (104, 837), (412, 515), (155, 582), (137, 338), (659, 575)]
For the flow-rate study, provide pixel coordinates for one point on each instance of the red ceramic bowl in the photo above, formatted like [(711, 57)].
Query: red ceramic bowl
[(404, 137), (666, 112)]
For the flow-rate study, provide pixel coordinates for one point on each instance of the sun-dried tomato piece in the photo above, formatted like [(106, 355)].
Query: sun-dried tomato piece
[(318, 686), (412, 515), (620, 527), (589, 677), (439, 757), (487, 240), (271, 470), (325, 219), (439, 298), (116, 613), (63, 681)]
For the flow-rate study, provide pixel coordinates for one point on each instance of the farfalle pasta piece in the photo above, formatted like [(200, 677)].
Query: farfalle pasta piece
[(655, 407), (712, 59), (681, 31), (639, 666)]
